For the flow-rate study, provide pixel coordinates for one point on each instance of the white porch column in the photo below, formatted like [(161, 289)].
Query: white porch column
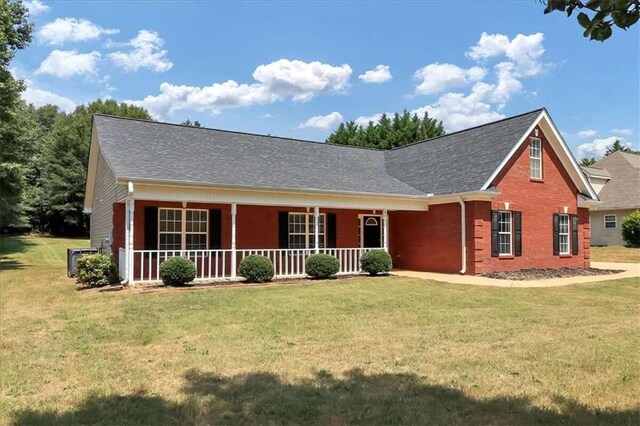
[(316, 223), (234, 257), (385, 230), (130, 257), (126, 242)]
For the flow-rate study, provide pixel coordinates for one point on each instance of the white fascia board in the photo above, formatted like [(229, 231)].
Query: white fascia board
[(178, 193)]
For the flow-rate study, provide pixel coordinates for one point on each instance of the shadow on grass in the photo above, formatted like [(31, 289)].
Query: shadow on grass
[(9, 246), (263, 398)]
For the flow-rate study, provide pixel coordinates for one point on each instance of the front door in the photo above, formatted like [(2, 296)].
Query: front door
[(372, 232)]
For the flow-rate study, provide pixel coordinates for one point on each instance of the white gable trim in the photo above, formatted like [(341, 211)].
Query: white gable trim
[(566, 158)]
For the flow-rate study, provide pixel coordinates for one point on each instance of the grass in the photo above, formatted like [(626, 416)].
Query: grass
[(615, 254), (365, 351)]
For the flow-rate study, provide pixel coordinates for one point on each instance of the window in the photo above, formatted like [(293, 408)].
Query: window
[(504, 233), (302, 231), (535, 158), (610, 221), (563, 233), (182, 229)]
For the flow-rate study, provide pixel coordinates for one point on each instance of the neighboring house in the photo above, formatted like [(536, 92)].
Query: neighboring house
[(506, 195), (616, 179)]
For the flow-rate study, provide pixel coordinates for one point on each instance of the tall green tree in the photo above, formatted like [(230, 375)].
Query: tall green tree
[(15, 34), (598, 17), (58, 194), (188, 122), (616, 146), (387, 133)]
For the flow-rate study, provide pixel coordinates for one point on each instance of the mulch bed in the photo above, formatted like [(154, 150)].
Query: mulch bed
[(543, 273)]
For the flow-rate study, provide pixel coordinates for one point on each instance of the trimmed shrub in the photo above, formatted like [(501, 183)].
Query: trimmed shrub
[(322, 265), (376, 262), (256, 269), (177, 271), (96, 270), (631, 229)]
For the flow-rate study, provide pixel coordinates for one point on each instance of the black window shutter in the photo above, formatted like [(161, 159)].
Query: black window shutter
[(556, 231), (574, 234), (494, 233), (517, 226), (331, 230), (215, 229), (283, 230), (151, 228)]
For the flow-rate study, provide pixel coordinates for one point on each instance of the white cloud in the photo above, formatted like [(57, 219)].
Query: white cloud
[(66, 63), (435, 78), (524, 51), (626, 132), (146, 52), (598, 147), (586, 133), (279, 80), (458, 111), (365, 119), (40, 98), (379, 74), (64, 30), (328, 121), (301, 80), (36, 7)]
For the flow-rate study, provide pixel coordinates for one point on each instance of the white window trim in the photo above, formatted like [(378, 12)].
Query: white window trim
[(510, 233), (568, 234), (531, 140), (361, 230), (615, 221), (309, 220), (183, 228)]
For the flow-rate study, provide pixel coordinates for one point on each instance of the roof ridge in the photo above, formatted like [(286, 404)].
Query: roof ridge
[(469, 128), (236, 132)]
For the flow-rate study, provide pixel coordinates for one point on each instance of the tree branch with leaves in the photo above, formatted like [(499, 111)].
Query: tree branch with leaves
[(605, 14)]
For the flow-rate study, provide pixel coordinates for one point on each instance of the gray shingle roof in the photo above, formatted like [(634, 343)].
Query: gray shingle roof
[(594, 171), (454, 163), (621, 192), (460, 161)]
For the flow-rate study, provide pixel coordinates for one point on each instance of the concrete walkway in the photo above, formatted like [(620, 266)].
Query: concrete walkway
[(628, 270)]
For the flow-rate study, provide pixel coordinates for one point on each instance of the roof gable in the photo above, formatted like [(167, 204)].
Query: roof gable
[(461, 161)]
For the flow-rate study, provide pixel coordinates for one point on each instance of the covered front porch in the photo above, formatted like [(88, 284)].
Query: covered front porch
[(216, 236)]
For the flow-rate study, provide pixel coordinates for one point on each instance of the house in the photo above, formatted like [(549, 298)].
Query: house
[(616, 179), (506, 195)]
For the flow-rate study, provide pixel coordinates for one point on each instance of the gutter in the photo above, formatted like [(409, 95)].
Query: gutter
[(463, 235)]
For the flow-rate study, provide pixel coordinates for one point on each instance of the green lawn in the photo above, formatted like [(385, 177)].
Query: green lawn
[(615, 254), (365, 351)]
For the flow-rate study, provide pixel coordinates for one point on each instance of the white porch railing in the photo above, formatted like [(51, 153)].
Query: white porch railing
[(215, 265)]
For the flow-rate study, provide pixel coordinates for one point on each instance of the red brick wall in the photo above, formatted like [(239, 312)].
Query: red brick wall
[(256, 226), (426, 241), (537, 200)]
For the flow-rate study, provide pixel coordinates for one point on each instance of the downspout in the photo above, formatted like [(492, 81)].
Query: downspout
[(463, 236), (129, 215)]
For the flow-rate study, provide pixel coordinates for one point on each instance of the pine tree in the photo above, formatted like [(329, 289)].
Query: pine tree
[(387, 133)]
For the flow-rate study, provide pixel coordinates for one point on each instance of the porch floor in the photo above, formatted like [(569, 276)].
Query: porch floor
[(628, 270)]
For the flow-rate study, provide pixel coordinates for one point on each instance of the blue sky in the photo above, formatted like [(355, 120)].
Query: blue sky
[(298, 69)]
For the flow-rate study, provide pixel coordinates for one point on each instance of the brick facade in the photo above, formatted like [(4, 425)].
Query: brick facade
[(430, 240)]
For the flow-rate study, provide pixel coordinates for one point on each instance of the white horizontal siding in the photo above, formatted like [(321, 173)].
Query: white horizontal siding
[(105, 193)]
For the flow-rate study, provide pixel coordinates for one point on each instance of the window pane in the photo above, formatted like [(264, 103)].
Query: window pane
[(196, 241), (504, 232), (297, 241), (170, 241)]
